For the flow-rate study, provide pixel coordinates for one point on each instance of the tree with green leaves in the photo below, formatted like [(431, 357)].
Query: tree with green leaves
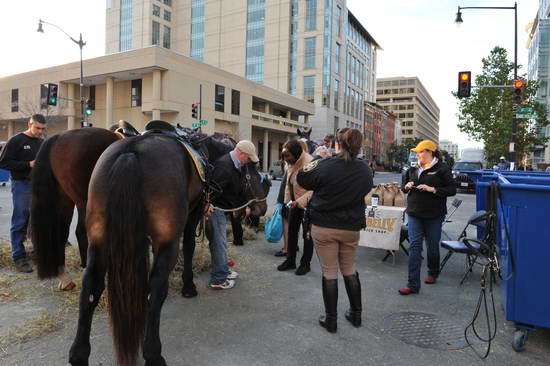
[(486, 116), (400, 152)]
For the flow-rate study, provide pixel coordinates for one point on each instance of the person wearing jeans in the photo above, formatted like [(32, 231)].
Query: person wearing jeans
[(18, 157), (227, 175), (428, 185)]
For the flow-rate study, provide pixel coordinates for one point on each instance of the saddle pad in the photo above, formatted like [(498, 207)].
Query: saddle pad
[(197, 160)]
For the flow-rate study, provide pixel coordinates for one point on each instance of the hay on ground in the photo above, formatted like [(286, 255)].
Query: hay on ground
[(35, 328)]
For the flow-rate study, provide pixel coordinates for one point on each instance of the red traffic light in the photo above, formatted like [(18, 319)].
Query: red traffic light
[(194, 106)]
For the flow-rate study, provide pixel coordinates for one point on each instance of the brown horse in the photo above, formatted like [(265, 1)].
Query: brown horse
[(143, 190), (60, 178)]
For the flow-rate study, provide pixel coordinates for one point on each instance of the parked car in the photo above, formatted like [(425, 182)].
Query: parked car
[(276, 171), (462, 180)]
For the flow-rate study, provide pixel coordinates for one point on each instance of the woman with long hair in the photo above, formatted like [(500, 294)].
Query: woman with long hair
[(337, 214)]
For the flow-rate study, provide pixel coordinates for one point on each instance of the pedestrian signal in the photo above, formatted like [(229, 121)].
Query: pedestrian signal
[(52, 94)]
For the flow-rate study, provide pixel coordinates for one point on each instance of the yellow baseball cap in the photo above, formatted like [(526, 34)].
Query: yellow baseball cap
[(425, 145)]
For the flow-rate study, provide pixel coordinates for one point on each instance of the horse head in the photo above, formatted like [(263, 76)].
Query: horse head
[(254, 189)]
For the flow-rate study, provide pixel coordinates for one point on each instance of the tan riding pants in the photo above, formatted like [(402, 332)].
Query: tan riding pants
[(335, 248)]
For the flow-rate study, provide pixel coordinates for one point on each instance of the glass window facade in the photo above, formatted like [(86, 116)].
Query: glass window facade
[(168, 2), (255, 34), (309, 59), (293, 47), (338, 21), (327, 51), (337, 58), (197, 29), (15, 100), (155, 33), (166, 37), (336, 93), (156, 10), (125, 36), (167, 15), (311, 15), (219, 98), (235, 102), (309, 88), (136, 93)]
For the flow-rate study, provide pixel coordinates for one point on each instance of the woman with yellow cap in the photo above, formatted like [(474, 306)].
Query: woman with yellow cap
[(428, 185)]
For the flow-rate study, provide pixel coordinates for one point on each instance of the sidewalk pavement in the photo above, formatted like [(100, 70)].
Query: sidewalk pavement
[(270, 317)]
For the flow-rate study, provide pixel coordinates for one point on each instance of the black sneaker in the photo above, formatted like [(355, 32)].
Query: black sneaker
[(280, 253), (23, 267)]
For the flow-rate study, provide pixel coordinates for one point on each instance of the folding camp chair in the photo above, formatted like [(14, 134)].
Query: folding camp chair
[(472, 248), (450, 212)]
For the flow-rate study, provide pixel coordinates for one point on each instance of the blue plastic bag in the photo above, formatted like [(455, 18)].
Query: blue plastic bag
[(274, 226)]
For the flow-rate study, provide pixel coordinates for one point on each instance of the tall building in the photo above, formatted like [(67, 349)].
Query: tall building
[(415, 109), (316, 50), (450, 147), (539, 70)]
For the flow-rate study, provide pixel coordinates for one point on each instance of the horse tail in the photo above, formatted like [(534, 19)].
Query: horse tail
[(46, 231), (127, 256)]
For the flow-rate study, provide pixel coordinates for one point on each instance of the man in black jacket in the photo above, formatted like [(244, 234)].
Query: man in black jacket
[(18, 157), (228, 176)]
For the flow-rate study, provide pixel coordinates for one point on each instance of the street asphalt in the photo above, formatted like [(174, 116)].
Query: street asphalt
[(270, 317)]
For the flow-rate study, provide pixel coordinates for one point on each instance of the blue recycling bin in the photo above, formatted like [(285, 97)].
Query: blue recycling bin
[(524, 236), (4, 176)]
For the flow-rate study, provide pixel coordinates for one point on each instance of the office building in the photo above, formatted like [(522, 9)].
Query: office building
[(316, 50), (539, 70), (410, 101)]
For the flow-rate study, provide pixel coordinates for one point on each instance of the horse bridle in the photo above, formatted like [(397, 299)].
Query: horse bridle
[(247, 186)]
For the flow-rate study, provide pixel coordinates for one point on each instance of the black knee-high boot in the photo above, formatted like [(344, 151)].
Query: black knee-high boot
[(353, 288), (330, 297)]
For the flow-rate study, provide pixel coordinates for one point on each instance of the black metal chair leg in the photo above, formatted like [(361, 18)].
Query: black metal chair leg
[(444, 261)]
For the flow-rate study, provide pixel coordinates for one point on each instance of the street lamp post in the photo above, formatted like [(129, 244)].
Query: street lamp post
[(80, 44), (459, 20)]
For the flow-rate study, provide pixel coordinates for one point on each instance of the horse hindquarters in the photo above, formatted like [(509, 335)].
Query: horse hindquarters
[(50, 214)]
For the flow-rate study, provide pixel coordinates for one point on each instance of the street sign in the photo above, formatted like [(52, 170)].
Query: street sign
[(526, 116), (204, 122), (525, 110), (195, 125)]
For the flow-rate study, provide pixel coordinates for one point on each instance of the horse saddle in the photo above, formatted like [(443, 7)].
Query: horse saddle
[(188, 138)]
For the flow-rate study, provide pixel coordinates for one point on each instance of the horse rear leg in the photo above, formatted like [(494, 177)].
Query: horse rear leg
[(93, 284), (81, 236), (165, 259), (189, 289)]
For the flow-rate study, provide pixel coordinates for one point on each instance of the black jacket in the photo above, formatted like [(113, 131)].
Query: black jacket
[(339, 190), (17, 153), (427, 205), (229, 179)]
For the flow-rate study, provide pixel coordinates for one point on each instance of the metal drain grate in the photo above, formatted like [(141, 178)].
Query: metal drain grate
[(425, 330)]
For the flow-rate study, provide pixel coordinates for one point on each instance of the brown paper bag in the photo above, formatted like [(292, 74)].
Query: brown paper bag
[(400, 200), (379, 190), (389, 195)]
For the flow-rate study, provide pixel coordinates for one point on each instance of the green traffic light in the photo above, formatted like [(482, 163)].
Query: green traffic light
[(53, 100), (88, 112)]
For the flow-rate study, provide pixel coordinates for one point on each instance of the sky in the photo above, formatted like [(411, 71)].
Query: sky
[(418, 38)]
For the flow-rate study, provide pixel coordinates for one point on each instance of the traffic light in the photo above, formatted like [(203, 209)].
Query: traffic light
[(90, 106), (195, 110), (52, 94), (464, 84), (518, 91)]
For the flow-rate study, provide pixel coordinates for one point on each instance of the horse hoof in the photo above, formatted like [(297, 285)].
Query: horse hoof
[(189, 292)]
